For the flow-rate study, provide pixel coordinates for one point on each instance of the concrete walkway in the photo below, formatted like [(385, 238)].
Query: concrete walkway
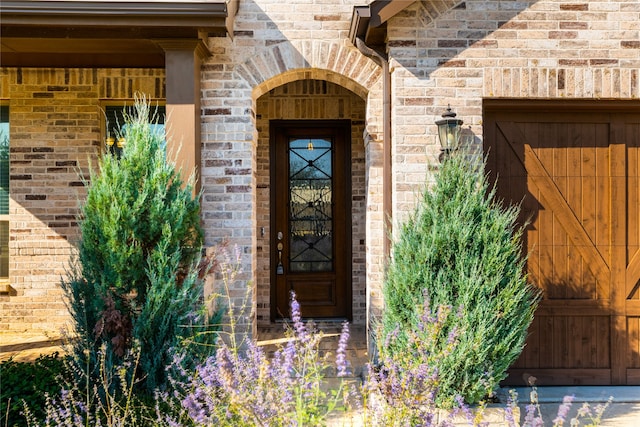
[(27, 346), (624, 411)]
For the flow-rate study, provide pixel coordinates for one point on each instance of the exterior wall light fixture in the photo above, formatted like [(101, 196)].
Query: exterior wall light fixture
[(449, 129), (115, 146)]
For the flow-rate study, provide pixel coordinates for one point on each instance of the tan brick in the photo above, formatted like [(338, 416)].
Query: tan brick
[(55, 129), (552, 49)]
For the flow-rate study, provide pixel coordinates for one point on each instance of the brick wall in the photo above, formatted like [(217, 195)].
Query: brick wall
[(278, 44), (55, 130), (465, 52), (442, 52)]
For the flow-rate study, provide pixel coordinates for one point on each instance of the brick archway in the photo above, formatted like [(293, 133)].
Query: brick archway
[(315, 59), (257, 75), (346, 67)]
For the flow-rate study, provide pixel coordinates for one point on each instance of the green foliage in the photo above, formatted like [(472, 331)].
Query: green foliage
[(247, 387), (460, 249), (135, 208), (28, 383), (108, 398), (140, 277)]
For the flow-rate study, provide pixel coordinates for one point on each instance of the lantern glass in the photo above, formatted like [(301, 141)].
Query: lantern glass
[(449, 129), (449, 134)]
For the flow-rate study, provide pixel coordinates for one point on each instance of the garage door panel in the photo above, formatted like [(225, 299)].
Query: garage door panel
[(633, 331), (531, 357), (633, 201), (558, 220), (565, 274), (632, 134), (595, 290), (567, 342), (537, 347), (582, 193), (564, 229), (603, 197), (551, 377), (632, 278), (593, 351), (560, 350), (633, 294)]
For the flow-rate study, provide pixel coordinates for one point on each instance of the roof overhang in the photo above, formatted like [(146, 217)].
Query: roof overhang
[(369, 22), (105, 33)]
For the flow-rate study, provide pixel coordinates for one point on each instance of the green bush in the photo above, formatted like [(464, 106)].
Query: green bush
[(28, 383), (139, 280), (460, 249)]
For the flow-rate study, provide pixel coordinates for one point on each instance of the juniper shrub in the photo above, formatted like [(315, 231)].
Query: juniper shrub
[(138, 277), (461, 248)]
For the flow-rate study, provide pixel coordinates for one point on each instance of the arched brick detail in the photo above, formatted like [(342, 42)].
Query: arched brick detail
[(347, 67), (317, 59), (310, 74)]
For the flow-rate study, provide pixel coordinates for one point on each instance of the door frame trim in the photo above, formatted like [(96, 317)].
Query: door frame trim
[(345, 125)]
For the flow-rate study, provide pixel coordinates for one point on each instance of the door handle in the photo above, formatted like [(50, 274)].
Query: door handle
[(280, 246)]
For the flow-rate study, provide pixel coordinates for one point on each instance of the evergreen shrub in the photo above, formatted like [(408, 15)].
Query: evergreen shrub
[(139, 279), (27, 384), (460, 249)]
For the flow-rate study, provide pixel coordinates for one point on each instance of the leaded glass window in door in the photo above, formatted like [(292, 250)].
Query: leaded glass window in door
[(311, 205)]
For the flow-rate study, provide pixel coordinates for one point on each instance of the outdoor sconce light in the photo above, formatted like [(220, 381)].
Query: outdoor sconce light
[(114, 147), (449, 133)]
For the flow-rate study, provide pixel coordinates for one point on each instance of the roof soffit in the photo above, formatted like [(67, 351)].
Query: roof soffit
[(76, 27), (369, 22)]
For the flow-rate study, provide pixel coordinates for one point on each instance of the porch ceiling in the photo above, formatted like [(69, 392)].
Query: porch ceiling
[(104, 33)]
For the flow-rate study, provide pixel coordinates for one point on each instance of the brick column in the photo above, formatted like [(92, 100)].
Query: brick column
[(182, 62)]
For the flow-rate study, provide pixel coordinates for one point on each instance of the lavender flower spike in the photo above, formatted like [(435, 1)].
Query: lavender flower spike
[(296, 317), (563, 410), (341, 353)]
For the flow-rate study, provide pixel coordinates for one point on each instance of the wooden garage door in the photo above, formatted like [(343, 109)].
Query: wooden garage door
[(575, 167)]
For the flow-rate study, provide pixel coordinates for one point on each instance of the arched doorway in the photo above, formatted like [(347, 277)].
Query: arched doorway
[(311, 202)]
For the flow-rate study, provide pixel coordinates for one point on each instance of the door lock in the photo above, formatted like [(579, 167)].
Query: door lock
[(280, 267), (280, 246)]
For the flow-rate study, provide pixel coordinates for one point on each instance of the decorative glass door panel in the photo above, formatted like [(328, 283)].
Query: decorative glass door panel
[(310, 217), (311, 205)]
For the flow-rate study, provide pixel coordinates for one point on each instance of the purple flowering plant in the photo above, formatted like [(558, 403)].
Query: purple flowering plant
[(585, 415), (108, 399), (402, 388), (248, 387), (243, 385)]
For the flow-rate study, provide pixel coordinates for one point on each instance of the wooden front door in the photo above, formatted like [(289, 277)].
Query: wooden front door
[(311, 217), (575, 167)]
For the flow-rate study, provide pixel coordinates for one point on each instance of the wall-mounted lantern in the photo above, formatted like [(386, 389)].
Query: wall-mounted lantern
[(449, 129), (115, 147)]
